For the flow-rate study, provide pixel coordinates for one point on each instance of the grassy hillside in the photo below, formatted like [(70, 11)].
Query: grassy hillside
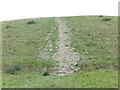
[(27, 44), (28, 47), (95, 39)]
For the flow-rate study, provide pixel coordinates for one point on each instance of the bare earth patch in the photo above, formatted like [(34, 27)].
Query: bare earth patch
[(67, 59)]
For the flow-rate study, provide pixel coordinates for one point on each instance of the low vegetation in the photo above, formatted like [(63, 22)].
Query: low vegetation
[(28, 47), (94, 79), (24, 40), (96, 40)]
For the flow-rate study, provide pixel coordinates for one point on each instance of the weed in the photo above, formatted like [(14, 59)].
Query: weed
[(100, 16), (31, 22), (17, 67), (106, 19), (66, 32), (47, 64), (7, 26), (14, 69), (46, 74)]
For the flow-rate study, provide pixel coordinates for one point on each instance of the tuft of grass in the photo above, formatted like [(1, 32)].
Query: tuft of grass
[(106, 19), (100, 16), (7, 26), (31, 22), (14, 69), (66, 32), (48, 63), (46, 74)]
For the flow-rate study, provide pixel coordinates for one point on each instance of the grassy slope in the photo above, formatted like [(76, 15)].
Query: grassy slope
[(95, 40), (21, 41), (94, 79)]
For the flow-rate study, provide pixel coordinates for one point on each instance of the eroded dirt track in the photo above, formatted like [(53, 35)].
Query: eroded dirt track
[(66, 57)]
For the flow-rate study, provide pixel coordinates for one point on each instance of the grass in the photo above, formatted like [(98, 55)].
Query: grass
[(94, 79), (23, 43), (96, 40), (32, 46), (0, 54)]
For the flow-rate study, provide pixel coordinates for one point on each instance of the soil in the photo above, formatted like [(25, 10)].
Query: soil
[(65, 55)]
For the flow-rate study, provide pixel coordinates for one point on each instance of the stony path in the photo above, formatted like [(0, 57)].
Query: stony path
[(65, 56)]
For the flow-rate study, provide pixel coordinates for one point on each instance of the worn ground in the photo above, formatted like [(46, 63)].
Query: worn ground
[(65, 56)]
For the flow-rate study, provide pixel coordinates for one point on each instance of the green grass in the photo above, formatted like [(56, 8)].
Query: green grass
[(0, 54), (96, 40), (23, 43), (94, 79)]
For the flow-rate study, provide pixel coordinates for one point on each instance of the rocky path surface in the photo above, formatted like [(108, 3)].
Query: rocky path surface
[(66, 57)]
